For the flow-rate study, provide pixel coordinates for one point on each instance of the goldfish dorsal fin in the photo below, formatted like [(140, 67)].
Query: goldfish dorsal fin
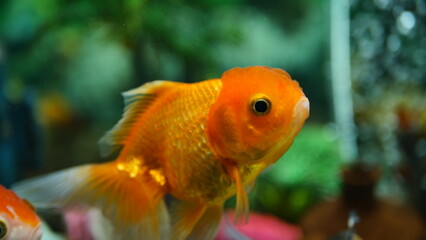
[(136, 102)]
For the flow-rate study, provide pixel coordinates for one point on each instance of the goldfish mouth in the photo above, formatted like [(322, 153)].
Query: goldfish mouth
[(36, 233), (300, 114), (301, 111)]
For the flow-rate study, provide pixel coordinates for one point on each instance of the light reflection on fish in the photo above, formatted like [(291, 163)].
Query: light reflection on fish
[(200, 142)]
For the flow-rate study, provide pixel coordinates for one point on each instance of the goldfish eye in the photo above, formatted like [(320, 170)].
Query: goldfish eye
[(260, 106), (3, 229)]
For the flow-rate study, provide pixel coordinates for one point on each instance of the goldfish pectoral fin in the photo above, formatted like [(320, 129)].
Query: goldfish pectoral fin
[(242, 210), (184, 216), (207, 226), (132, 205), (229, 230), (249, 188), (136, 102)]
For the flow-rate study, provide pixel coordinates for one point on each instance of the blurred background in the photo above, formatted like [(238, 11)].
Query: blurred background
[(63, 65)]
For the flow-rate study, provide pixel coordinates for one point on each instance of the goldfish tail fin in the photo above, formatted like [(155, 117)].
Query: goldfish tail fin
[(133, 205), (52, 190), (136, 102), (195, 220)]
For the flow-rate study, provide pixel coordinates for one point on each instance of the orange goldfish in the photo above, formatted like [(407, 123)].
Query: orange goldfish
[(18, 220), (201, 143)]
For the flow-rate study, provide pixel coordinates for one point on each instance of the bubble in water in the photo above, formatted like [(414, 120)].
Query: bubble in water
[(406, 22)]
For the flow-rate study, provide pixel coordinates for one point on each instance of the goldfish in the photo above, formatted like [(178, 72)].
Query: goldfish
[(199, 142), (18, 221)]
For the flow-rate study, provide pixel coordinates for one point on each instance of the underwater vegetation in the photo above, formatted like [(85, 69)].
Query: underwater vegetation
[(308, 172)]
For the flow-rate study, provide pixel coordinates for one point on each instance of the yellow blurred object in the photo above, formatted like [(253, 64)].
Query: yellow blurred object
[(356, 237), (54, 110)]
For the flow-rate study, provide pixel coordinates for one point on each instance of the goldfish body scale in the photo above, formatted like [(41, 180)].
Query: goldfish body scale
[(177, 132)]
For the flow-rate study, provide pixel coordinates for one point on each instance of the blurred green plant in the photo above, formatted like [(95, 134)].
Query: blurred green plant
[(308, 172), (53, 30)]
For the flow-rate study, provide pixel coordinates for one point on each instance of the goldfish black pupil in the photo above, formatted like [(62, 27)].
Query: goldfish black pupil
[(3, 229), (261, 106)]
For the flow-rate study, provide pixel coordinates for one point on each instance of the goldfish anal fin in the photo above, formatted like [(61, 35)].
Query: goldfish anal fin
[(242, 210), (132, 205), (184, 217), (207, 226), (136, 102)]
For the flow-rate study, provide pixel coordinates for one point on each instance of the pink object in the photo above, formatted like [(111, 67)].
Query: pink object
[(260, 227), (78, 223)]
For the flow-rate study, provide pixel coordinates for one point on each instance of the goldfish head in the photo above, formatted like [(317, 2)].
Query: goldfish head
[(17, 218), (257, 115)]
